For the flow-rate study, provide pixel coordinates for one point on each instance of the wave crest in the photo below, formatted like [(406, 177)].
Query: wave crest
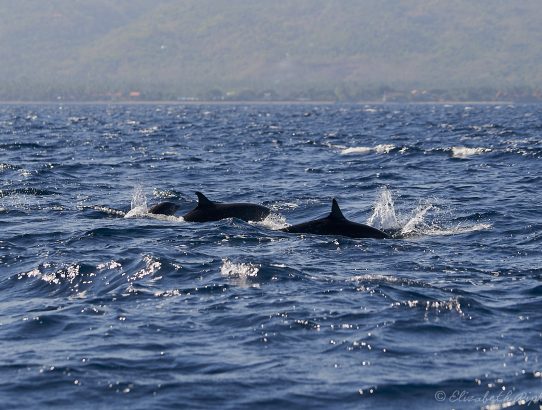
[(379, 149), (239, 270), (424, 219)]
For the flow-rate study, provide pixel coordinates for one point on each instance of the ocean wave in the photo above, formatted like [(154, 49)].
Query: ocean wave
[(27, 191), (455, 230), (391, 279), (140, 212), (151, 267), (49, 274), (239, 270), (85, 280), (379, 149), (101, 209), (102, 312), (465, 152), (432, 306), (417, 222), (273, 221), (8, 167)]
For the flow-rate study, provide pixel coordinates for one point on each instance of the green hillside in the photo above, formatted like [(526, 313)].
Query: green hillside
[(334, 49)]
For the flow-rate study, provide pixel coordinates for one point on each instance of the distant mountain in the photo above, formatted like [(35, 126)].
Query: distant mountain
[(328, 49)]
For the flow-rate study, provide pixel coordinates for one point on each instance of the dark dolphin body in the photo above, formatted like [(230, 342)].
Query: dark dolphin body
[(213, 211), (164, 208), (336, 224)]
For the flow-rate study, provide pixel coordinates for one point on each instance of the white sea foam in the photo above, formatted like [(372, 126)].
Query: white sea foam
[(379, 149), (139, 199), (465, 152), (273, 221), (433, 306), (107, 210), (66, 274), (151, 266), (456, 230), (140, 208), (384, 148), (169, 218), (137, 212), (288, 205), (239, 270), (45, 276), (109, 265), (140, 212), (422, 220), (416, 220), (384, 215), (149, 130), (375, 277), (167, 293), (357, 150)]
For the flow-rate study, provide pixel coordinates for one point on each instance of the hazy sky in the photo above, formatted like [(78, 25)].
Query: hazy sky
[(200, 46)]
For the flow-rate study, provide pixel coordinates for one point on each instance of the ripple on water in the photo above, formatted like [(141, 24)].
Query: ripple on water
[(104, 311)]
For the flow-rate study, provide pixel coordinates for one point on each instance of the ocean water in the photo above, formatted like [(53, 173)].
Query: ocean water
[(105, 306)]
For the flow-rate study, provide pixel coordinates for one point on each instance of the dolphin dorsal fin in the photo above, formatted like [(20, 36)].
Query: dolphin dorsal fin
[(203, 201), (336, 212)]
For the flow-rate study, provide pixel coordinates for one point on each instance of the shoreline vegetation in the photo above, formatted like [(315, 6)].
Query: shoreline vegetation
[(338, 95), (252, 102), (241, 51)]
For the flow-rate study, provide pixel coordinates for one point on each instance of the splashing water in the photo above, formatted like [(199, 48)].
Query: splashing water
[(273, 221), (140, 208), (138, 203), (465, 152), (139, 199), (386, 218), (417, 219), (384, 215), (239, 272), (379, 149)]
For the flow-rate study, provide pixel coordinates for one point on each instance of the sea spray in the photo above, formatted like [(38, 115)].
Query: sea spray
[(139, 199), (273, 221), (384, 215), (138, 203), (238, 271), (416, 222)]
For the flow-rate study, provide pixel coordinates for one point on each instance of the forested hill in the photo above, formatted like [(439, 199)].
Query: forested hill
[(280, 49)]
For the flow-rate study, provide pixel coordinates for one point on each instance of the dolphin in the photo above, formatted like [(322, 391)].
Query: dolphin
[(208, 210), (164, 208), (336, 224)]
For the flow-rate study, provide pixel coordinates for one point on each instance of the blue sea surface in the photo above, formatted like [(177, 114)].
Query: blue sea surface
[(103, 305)]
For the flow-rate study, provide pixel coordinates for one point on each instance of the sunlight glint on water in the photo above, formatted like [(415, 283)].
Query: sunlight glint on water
[(155, 312)]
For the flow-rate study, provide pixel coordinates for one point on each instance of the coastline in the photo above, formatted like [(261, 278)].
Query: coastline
[(258, 102)]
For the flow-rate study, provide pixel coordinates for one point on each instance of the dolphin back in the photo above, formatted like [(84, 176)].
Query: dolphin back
[(164, 208), (207, 211), (337, 224), (327, 226)]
